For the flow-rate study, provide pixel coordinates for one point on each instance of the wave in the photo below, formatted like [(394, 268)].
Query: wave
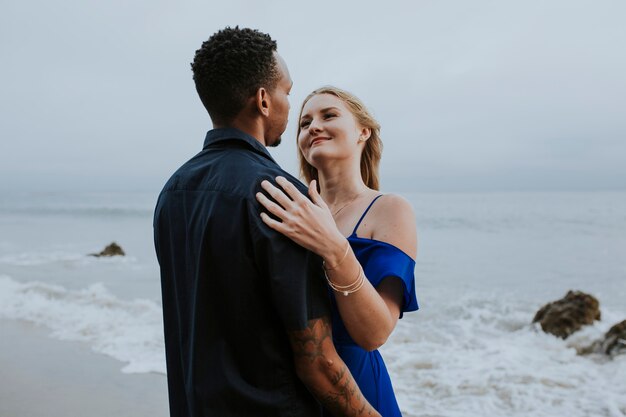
[(86, 211), (115, 204), (585, 213), (462, 355), (129, 331), (60, 257), (480, 356)]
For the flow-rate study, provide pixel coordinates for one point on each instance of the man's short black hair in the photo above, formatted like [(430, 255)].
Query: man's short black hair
[(230, 67)]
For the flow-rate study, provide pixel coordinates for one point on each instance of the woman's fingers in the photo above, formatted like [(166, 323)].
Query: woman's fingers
[(291, 190), (272, 207), (276, 194), (276, 225), (315, 196), (313, 192)]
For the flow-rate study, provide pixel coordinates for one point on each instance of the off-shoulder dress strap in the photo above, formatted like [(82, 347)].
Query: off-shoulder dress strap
[(364, 213)]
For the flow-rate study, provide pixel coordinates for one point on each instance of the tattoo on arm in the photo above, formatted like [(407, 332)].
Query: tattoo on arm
[(308, 343), (337, 390)]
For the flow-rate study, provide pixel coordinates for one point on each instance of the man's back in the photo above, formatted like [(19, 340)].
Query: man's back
[(232, 288)]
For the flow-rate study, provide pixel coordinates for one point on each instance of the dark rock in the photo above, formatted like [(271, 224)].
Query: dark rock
[(112, 250), (567, 315), (614, 342)]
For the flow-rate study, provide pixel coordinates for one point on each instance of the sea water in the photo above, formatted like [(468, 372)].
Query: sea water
[(486, 263)]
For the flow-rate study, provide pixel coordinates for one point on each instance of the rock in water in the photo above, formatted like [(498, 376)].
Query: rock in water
[(112, 250), (567, 315), (614, 342)]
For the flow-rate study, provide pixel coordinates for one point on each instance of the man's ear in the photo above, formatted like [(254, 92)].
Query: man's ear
[(262, 100)]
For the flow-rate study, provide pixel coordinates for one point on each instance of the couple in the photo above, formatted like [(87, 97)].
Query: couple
[(274, 303)]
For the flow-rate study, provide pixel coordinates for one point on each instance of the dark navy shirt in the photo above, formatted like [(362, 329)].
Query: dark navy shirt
[(232, 287)]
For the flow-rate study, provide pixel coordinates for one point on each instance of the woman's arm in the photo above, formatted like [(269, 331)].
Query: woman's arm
[(369, 314)]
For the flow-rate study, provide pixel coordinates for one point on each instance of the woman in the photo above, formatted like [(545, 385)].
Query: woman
[(367, 240)]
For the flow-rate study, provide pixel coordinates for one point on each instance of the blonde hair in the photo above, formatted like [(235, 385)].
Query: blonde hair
[(373, 150)]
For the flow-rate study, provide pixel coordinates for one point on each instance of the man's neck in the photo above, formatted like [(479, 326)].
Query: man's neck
[(251, 127)]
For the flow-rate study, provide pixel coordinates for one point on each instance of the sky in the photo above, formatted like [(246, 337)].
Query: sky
[(471, 95)]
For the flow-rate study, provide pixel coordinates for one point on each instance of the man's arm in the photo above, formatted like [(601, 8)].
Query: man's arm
[(324, 373)]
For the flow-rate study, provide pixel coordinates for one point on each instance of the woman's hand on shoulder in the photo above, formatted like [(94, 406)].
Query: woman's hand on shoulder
[(394, 223), (309, 223)]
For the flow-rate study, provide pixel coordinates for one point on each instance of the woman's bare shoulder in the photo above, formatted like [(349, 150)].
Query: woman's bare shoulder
[(394, 222)]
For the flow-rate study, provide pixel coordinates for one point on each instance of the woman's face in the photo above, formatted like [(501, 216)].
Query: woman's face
[(328, 130)]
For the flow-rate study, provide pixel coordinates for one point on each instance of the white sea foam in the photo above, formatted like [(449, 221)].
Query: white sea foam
[(130, 331), (476, 356), (481, 357)]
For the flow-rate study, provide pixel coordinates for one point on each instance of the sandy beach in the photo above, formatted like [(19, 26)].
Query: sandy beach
[(46, 377)]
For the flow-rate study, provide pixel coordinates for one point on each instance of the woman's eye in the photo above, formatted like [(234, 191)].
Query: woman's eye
[(304, 124), (329, 115)]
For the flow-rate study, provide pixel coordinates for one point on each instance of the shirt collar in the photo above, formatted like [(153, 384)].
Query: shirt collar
[(223, 134)]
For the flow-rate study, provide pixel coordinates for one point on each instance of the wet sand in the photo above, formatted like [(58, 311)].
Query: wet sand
[(44, 377)]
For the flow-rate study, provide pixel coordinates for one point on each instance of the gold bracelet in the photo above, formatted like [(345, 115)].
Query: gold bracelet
[(343, 287), (351, 288), (345, 293), (342, 258)]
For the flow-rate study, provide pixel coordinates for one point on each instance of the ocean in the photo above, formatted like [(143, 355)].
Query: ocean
[(486, 263)]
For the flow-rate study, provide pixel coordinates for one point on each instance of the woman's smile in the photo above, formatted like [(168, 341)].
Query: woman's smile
[(318, 140)]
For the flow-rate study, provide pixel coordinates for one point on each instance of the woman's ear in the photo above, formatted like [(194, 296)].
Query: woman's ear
[(262, 101), (366, 132)]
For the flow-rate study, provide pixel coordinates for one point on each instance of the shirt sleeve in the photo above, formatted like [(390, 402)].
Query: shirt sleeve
[(294, 274)]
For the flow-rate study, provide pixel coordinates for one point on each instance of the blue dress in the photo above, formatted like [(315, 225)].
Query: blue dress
[(379, 260)]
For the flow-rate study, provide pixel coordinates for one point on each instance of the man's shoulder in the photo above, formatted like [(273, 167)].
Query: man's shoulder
[(260, 168), (234, 171), (292, 179)]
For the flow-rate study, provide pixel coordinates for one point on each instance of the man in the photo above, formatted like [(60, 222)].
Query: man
[(245, 309)]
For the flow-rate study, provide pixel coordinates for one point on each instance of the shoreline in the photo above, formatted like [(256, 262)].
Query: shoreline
[(54, 378)]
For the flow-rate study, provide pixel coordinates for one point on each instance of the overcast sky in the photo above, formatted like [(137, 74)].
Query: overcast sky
[(471, 95)]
